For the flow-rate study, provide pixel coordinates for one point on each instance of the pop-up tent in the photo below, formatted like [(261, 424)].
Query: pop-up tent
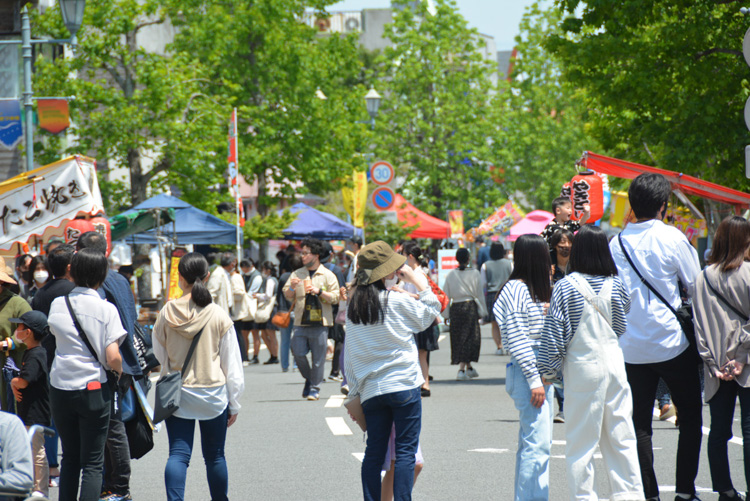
[(191, 225), (534, 222), (312, 223), (427, 226)]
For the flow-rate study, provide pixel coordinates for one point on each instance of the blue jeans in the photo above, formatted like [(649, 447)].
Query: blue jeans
[(534, 437), (284, 349), (404, 409), (722, 406), (213, 435)]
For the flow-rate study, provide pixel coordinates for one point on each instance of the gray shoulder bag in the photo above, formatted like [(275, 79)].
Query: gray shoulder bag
[(168, 387)]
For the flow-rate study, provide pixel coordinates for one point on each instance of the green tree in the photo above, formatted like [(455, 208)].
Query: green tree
[(145, 111), (439, 113), (666, 81), (545, 118)]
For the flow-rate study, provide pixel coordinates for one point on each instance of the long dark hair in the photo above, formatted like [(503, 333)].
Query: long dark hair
[(590, 253), (365, 306), (532, 265), (268, 265), (193, 268), (731, 242)]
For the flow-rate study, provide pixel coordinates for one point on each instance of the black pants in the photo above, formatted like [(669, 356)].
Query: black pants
[(82, 419), (238, 325), (681, 376), (117, 459), (722, 406)]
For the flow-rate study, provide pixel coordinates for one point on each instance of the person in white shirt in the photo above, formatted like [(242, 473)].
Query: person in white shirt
[(355, 244), (654, 344), (382, 364), (220, 285)]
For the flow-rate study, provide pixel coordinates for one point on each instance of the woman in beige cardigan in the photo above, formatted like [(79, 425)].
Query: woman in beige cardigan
[(722, 307)]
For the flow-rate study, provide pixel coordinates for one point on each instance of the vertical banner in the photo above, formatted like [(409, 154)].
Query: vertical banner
[(234, 172), (174, 276), (456, 220), (54, 115), (355, 198), (11, 130)]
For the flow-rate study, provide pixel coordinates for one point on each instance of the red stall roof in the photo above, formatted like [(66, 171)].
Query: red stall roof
[(687, 184), (429, 227)]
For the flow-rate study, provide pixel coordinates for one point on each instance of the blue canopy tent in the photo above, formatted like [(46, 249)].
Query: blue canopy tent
[(312, 223), (191, 225)]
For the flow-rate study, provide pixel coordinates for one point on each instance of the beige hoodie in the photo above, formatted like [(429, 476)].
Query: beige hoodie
[(178, 323)]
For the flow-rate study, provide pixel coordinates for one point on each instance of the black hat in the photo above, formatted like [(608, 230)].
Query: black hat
[(34, 320), (327, 252), (356, 239)]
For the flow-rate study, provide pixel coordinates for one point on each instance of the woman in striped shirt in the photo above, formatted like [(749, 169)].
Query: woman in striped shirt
[(587, 316), (382, 364), (519, 312)]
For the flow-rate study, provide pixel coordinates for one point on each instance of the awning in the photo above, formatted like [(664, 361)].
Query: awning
[(312, 223), (687, 184), (427, 226), (139, 220)]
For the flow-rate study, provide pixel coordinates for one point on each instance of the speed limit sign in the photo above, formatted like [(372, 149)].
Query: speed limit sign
[(381, 173)]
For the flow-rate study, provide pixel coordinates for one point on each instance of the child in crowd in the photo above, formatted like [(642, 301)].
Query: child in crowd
[(31, 390), (386, 494), (562, 207)]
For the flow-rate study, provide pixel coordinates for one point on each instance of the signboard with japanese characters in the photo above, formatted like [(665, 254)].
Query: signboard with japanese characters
[(47, 198)]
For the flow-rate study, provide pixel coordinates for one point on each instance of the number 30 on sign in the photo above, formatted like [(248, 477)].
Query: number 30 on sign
[(381, 173)]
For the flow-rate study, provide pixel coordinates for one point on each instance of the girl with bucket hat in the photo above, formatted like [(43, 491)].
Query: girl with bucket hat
[(382, 364)]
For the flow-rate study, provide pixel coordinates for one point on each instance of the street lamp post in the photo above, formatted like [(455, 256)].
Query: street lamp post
[(72, 13), (372, 98)]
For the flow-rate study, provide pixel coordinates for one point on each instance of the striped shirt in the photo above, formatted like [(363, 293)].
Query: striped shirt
[(565, 310), (382, 358), (520, 319)]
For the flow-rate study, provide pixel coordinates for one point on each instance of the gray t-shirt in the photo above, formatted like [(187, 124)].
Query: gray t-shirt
[(496, 273)]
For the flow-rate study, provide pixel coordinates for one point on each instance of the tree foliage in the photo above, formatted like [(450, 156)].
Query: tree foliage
[(545, 118), (665, 81), (439, 112)]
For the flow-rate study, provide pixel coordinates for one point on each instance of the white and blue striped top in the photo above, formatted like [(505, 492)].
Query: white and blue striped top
[(520, 319), (564, 316), (382, 358)]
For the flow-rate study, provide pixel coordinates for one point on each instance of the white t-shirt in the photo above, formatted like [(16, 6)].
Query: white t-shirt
[(74, 366)]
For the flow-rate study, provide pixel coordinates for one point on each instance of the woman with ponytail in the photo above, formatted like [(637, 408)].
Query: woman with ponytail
[(212, 381)]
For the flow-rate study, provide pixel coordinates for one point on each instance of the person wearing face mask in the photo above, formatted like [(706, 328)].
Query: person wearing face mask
[(11, 306), (560, 244), (23, 274), (40, 276)]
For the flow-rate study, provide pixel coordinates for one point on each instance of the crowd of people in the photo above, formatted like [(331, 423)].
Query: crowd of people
[(598, 323)]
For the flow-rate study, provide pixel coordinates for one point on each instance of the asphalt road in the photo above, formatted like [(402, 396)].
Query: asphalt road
[(285, 448)]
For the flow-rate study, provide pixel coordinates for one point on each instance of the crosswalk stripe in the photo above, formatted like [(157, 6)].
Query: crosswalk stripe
[(706, 431), (335, 401), (338, 426)]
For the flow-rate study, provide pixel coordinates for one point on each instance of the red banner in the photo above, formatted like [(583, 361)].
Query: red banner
[(54, 115)]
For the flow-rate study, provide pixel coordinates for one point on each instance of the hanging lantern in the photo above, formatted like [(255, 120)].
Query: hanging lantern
[(586, 189), (565, 190), (101, 225), (75, 229)]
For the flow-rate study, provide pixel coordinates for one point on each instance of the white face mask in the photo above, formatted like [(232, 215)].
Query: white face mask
[(41, 276), (390, 282)]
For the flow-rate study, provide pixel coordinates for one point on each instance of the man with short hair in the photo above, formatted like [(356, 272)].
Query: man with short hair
[(116, 290), (311, 325), (219, 283), (654, 344)]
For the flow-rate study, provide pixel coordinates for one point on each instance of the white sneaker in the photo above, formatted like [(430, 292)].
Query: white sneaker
[(462, 376), (472, 372)]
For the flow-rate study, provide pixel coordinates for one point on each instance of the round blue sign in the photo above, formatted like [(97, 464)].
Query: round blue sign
[(383, 198)]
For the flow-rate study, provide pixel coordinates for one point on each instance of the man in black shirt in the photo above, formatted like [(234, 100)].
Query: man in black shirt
[(31, 389)]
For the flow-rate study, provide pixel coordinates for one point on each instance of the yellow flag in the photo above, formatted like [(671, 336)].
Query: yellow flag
[(355, 198)]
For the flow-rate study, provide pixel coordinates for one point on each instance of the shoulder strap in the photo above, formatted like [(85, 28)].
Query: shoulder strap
[(192, 349), (586, 291), (80, 330), (643, 280), (723, 299)]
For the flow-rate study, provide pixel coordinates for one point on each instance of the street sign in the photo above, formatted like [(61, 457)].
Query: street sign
[(381, 173), (746, 46), (747, 161), (11, 130), (383, 198)]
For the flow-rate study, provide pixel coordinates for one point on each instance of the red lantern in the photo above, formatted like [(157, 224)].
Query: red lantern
[(101, 225), (565, 190), (586, 189), (75, 229)]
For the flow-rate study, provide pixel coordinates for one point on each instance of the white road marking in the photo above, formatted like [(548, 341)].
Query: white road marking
[(335, 401), (359, 455), (706, 431), (441, 337), (558, 442), (491, 451), (338, 426)]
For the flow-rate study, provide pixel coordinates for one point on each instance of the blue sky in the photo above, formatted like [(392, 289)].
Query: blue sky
[(498, 18)]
